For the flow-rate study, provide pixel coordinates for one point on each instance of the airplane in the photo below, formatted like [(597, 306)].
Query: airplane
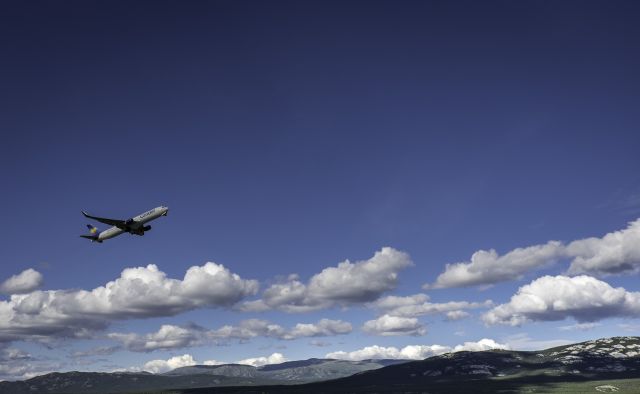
[(135, 225)]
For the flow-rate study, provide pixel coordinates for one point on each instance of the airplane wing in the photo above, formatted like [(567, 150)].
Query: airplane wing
[(111, 222)]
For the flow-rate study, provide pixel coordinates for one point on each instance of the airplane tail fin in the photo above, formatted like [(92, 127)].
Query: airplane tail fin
[(93, 233)]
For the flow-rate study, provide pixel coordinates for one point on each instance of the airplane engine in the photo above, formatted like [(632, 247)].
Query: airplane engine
[(146, 228)]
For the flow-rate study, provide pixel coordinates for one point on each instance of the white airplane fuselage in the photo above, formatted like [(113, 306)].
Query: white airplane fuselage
[(136, 224)]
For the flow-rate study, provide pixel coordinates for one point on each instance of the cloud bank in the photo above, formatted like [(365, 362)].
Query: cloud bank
[(387, 325), (138, 292), (414, 352), (614, 253), (419, 305), (398, 315), (275, 358), (176, 337), (551, 298), (187, 360), (161, 366), (346, 284)]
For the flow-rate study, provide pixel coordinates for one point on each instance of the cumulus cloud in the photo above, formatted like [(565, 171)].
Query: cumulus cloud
[(212, 362), (380, 352), (161, 366), (413, 352), (255, 327), (419, 305), (138, 292), (187, 360), (323, 328), (481, 345), (247, 329), (387, 325), (167, 337), (24, 282), (457, 315), (395, 302), (550, 298), (176, 337), (398, 314), (614, 253), (487, 267), (347, 283), (275, 358)]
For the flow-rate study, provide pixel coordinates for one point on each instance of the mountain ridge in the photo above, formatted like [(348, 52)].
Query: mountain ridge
[(600, 359), (291, 372)]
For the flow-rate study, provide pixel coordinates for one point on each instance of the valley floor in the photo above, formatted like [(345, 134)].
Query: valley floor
[(621, 386)]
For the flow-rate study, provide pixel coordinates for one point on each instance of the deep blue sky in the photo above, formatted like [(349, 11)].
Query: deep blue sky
[(287, 137)]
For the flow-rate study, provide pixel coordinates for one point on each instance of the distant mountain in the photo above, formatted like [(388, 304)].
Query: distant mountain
[(288, 372), (603, 365), (617, 357), (228, 370), (293, 372)]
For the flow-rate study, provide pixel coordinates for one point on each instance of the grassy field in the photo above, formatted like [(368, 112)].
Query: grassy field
[(597, 386), (467, 386)]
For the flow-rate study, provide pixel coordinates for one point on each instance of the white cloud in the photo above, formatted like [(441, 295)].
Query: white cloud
[(275, 358), (256, 327), (549, 298), (399, 314), (413, 352), (212, 362), (481, 345), (579, 327), (247, 329), (138, 292), (457, 315), (420, 352), (176, 337), (187, 360), (347, 283), (616, 252), (487, 267), (161, 366), (24, 282), (394, 302), (167, 337), (323, 328), (418, 305), (369, 352), (387, 325), (361, 281)]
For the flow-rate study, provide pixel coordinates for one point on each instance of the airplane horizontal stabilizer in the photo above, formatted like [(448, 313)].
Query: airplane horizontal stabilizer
[(93, 238)]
